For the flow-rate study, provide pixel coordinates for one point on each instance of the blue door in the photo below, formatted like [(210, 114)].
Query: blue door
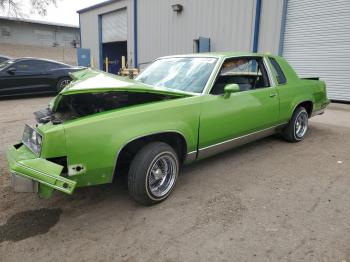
[(204, 44), (83, 55)]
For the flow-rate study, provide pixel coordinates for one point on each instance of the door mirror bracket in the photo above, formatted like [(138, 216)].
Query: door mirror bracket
[(230, 88)]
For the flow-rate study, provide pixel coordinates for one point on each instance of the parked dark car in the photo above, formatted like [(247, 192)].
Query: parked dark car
[(31, 75), (4, 58)]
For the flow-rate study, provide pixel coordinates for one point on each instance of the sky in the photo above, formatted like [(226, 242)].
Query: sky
[(65, 12)]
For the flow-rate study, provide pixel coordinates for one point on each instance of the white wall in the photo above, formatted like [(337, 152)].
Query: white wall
[(229, 25), (270, 26)]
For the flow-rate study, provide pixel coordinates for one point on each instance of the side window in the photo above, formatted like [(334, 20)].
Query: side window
[(28, 66), (248, 73), (277, 71), (22, 66), (49, 66), (52, 65)]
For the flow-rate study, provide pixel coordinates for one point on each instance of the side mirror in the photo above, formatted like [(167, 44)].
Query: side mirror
[(230, 88), (11, 70)]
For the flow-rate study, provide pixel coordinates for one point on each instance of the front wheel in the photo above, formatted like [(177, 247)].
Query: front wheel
[(153, 173), (297, 127)]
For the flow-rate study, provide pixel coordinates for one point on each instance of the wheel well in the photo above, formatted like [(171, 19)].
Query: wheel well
[(308, 106), (127, 153)]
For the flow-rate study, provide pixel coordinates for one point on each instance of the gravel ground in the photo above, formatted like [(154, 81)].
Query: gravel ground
[(266, 201)]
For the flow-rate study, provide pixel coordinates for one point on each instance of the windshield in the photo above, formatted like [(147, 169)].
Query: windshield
[(181, 73), (6, 63)]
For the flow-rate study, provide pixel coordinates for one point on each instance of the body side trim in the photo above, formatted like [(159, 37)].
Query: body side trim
[(235, 142), (191, 156)]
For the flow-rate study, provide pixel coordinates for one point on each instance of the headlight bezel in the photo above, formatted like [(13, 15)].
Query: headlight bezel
[(32, 139)]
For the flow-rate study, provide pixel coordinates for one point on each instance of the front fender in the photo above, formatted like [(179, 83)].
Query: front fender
[(94, 141)]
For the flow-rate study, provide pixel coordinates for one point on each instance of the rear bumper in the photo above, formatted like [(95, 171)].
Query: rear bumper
[(321, 110), (23, 163)]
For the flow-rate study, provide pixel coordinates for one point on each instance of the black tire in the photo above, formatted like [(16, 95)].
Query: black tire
[(140, 171), (62, 82), (290, 133)]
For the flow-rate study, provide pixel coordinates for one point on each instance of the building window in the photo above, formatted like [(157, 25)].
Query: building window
[(46, 38), (68, 40)]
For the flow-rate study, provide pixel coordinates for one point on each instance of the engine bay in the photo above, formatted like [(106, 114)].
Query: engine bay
[(83, 104)]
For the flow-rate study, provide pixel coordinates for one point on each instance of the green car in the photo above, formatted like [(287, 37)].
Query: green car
[(178, 110)]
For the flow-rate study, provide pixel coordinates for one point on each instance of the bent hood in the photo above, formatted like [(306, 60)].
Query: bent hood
[(96, 82), (91, 81)]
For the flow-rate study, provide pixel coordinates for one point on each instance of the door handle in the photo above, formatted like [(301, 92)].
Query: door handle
[(273, 94)]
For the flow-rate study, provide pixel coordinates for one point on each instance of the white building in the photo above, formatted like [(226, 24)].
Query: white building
[(313, 35)]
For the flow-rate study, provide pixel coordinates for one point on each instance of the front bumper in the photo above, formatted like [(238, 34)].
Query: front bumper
[(22, 162)]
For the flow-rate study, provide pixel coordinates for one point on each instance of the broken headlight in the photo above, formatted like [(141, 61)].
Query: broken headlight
[(32, 139)]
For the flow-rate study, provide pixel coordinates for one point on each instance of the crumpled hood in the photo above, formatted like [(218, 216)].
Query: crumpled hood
[(91, 81)]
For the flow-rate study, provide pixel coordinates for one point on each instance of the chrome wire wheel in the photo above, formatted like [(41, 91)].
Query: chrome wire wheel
[(301, 124), (64, 83), (162, 175)]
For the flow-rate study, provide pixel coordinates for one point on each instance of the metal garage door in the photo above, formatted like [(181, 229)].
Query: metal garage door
[(114, 26), (317, 42)]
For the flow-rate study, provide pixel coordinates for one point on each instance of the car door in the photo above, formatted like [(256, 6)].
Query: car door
[(22, 77), (252, 112), (50, 74)]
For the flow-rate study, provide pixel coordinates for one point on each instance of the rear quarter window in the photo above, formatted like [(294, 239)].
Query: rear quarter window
[(51, 65), (277, 71)]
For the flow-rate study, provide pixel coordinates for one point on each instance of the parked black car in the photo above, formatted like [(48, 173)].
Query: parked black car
[(32, 75), (4, 58)]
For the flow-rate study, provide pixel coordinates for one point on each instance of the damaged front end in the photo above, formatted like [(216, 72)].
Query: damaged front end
[(44, 161), (31, 174), (94, 92)]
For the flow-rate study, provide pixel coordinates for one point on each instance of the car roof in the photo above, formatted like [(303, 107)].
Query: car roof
[(219, 54), (4, 56), (39, 59)]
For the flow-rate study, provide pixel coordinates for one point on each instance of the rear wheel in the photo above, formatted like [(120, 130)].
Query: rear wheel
[(297, 127), (62, 83), (153, 173)]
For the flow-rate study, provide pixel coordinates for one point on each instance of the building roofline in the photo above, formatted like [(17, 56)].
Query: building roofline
[(96, 6), (31, 21)]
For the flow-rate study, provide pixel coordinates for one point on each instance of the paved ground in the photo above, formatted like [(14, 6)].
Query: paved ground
[(267, 201)]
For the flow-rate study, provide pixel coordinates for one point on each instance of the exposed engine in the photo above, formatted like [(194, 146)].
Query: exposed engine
[(84, 104)]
